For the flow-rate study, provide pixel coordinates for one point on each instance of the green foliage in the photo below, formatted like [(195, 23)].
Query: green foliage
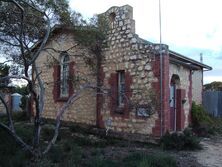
[(34, 24), (4, 70), (99, 161), (199, 115), (25, 132), (75, 156), (56, 154), (24, 92), (21, 90), (16, 116), (180, 141), (203, 124), (213, 86), (70, 152), (149, 160), (10, 153), (92, 34), (41, 162)]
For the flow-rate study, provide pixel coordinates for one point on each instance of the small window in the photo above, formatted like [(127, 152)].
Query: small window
[(64, 86), (112, 18), (121, 88)]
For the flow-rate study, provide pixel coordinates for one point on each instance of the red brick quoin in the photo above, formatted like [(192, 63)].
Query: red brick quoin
[(156, 131)]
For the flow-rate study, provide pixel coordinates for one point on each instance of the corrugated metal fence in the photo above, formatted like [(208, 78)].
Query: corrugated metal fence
[(212, 102)]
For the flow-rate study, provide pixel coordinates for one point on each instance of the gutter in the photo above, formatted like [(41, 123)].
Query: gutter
[(188, 60), (189, 65)]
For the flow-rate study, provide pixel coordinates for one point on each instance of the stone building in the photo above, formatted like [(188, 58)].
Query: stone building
[(150, 88)]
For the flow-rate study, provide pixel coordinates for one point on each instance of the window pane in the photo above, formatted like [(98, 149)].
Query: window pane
[(121, 88), (64, 75)]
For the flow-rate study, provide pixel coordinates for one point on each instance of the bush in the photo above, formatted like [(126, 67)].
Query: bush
[(202, 123), (100, 161), (10, 153), (199, 116), (16, 117), (146, 160), (56, 154), (180, 141)]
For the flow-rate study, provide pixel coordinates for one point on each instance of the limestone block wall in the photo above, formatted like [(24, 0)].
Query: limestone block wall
[(84, 109), (127, 52), (197, 86), (184, 83)]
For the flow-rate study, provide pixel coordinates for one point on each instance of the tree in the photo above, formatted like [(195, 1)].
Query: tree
[(25, 29), (4, 71), (213, 86), (24, 23)]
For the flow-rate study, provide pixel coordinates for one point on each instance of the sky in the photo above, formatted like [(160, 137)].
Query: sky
[(189, 27)]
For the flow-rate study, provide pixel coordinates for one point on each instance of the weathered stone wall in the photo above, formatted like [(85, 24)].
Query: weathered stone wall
[(139, 59), (197, 86), (84, 109), (127, 52), (184, 83)]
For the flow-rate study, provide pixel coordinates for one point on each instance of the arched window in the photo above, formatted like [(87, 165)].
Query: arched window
[(64, 85)]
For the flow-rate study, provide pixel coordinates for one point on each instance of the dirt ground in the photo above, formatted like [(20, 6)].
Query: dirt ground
[(211, 155)]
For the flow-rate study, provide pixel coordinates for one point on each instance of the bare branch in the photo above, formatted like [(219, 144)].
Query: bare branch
[(11, 125), (6, 61), (63, 109), (42, 89), (9, 43), (35, 56), (59, 51)]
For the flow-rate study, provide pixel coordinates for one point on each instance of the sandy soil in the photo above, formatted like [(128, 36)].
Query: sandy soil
[(211, 155)]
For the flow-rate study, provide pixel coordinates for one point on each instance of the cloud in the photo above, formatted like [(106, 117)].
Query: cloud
[(214, 75), (188, 27)]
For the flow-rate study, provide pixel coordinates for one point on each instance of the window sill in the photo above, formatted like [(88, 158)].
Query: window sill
[(62, 99), (120, 112)]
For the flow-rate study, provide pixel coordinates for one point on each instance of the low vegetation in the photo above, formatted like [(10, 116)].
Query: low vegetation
[(185, 140), (77, 147), (204, 124), (74, 149), (145, 160)]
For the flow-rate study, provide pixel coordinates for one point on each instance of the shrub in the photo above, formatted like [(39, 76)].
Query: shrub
[(149, 160), (42, 162), (199, 116), (180, 141), (99, 161), (16, 116), (74, 155), (202, 123), (56, 154), (10, 153)]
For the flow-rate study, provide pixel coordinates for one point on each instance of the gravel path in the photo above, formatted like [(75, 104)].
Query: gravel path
[(211, 155)]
